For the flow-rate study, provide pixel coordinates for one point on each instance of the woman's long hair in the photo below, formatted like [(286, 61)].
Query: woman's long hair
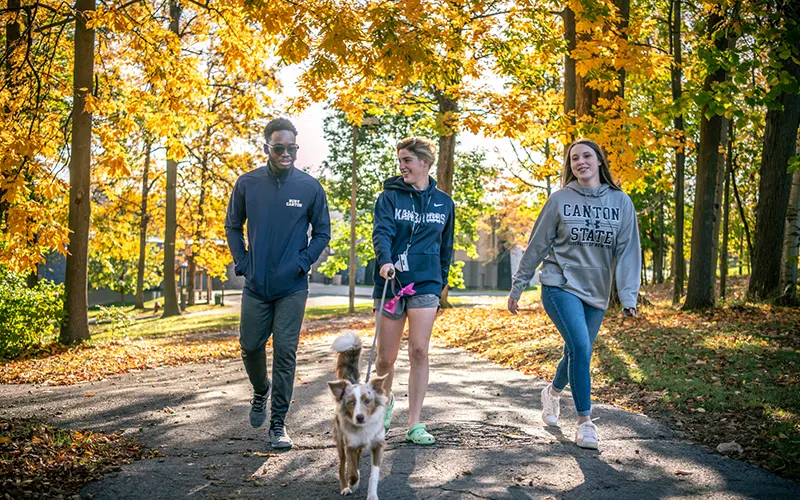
[(605, 174)]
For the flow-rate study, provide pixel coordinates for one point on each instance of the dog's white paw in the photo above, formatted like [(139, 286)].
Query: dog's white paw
[(346, 491), (372, 496)]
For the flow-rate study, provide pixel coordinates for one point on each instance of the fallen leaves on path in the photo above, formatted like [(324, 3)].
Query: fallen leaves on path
[(42, 461), (60, 365), (85, 363)]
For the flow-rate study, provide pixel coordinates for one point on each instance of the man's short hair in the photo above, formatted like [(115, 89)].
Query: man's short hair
[(276, 125)]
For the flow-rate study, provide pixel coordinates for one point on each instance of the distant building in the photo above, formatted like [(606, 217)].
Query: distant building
[(494, 267)]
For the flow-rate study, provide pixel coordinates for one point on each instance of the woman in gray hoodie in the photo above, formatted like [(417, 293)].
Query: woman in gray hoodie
[(586, 233)]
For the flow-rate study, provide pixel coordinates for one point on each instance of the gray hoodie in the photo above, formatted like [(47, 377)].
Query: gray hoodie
[(581, 235)]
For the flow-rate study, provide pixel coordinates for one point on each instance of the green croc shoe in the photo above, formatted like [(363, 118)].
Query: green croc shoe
[(417, 434), (387, 418)]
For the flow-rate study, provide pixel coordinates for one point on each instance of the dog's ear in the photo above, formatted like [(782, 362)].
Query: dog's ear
[(378, 384), (338, 388)]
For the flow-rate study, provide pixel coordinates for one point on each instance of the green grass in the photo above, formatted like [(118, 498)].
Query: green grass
[(148, 307), (194, 323), (170, 326), (718, 368), (734, 271), (728, 377), (319, 312)]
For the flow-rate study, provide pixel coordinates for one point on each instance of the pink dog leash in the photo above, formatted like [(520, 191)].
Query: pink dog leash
[(391, 308), (408, 290)]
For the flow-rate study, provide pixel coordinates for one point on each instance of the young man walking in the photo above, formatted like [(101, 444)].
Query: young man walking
[(278, 203)]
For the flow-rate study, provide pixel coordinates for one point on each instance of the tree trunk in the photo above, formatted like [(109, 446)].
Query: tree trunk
[(741, 213), (727, 128), (718, 202), (678, 259), (642, 271), (190, 280), (13, 32), (171, 306), (209, 288), (76, 304), (791, 241), (447, 144), (143, 219), (201, 204), (351, 285), (33, 277), (780, 136), (700, 292), (447, 151), (658, 250), (624, 7), (741, 246), (726, 209), (570, 77), (548, 184), (585, 96), (12, 39)]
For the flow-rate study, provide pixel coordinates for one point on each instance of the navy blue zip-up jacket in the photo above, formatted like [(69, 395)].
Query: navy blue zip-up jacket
[(278, 211), (431, 250)]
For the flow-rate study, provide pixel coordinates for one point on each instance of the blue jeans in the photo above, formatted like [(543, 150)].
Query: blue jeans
[(578, 323)]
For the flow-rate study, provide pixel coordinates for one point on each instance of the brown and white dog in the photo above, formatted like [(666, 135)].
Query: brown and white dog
[(358, 423)]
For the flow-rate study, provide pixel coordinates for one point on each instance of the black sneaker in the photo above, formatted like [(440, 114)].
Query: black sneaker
[(278, 437), (258, 410)]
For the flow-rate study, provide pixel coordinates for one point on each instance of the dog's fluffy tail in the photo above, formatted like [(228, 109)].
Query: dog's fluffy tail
[(348, 347)]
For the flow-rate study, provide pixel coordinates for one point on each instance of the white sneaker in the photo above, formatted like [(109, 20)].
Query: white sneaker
[(586, 435), (278, 436), (551, 407)]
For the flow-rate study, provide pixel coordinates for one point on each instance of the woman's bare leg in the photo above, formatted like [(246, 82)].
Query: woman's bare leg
[(420, 325), (388, 345)]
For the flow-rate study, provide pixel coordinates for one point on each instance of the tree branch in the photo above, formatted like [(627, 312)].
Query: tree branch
[(56, 24)]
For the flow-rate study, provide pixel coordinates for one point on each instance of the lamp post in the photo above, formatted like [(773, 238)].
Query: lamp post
[(368, 121)]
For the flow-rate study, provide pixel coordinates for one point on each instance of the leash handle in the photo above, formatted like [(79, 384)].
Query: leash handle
[(378, 324)]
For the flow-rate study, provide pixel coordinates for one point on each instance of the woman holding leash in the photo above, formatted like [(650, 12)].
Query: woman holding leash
[(413, 240), (584, 232)]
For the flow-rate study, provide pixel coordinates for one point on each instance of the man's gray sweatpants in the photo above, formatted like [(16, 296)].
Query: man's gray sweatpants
[(281, 318)]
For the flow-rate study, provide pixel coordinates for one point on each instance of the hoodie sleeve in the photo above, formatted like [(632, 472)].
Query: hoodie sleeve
[(320, 230), (383, 230), (628, 257), (234, 227), (446, 248), (539, 243)]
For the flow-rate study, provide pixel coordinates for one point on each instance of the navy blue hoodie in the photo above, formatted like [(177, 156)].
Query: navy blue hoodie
[(430, 214), (278, 211)]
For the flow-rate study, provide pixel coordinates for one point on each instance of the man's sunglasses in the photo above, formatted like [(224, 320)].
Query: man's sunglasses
[(280, 148)]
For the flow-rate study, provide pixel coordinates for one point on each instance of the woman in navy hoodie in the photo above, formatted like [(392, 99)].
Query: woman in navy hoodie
[(413, 237)]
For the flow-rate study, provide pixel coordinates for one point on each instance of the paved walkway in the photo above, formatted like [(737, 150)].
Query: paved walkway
[(491, 442)]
